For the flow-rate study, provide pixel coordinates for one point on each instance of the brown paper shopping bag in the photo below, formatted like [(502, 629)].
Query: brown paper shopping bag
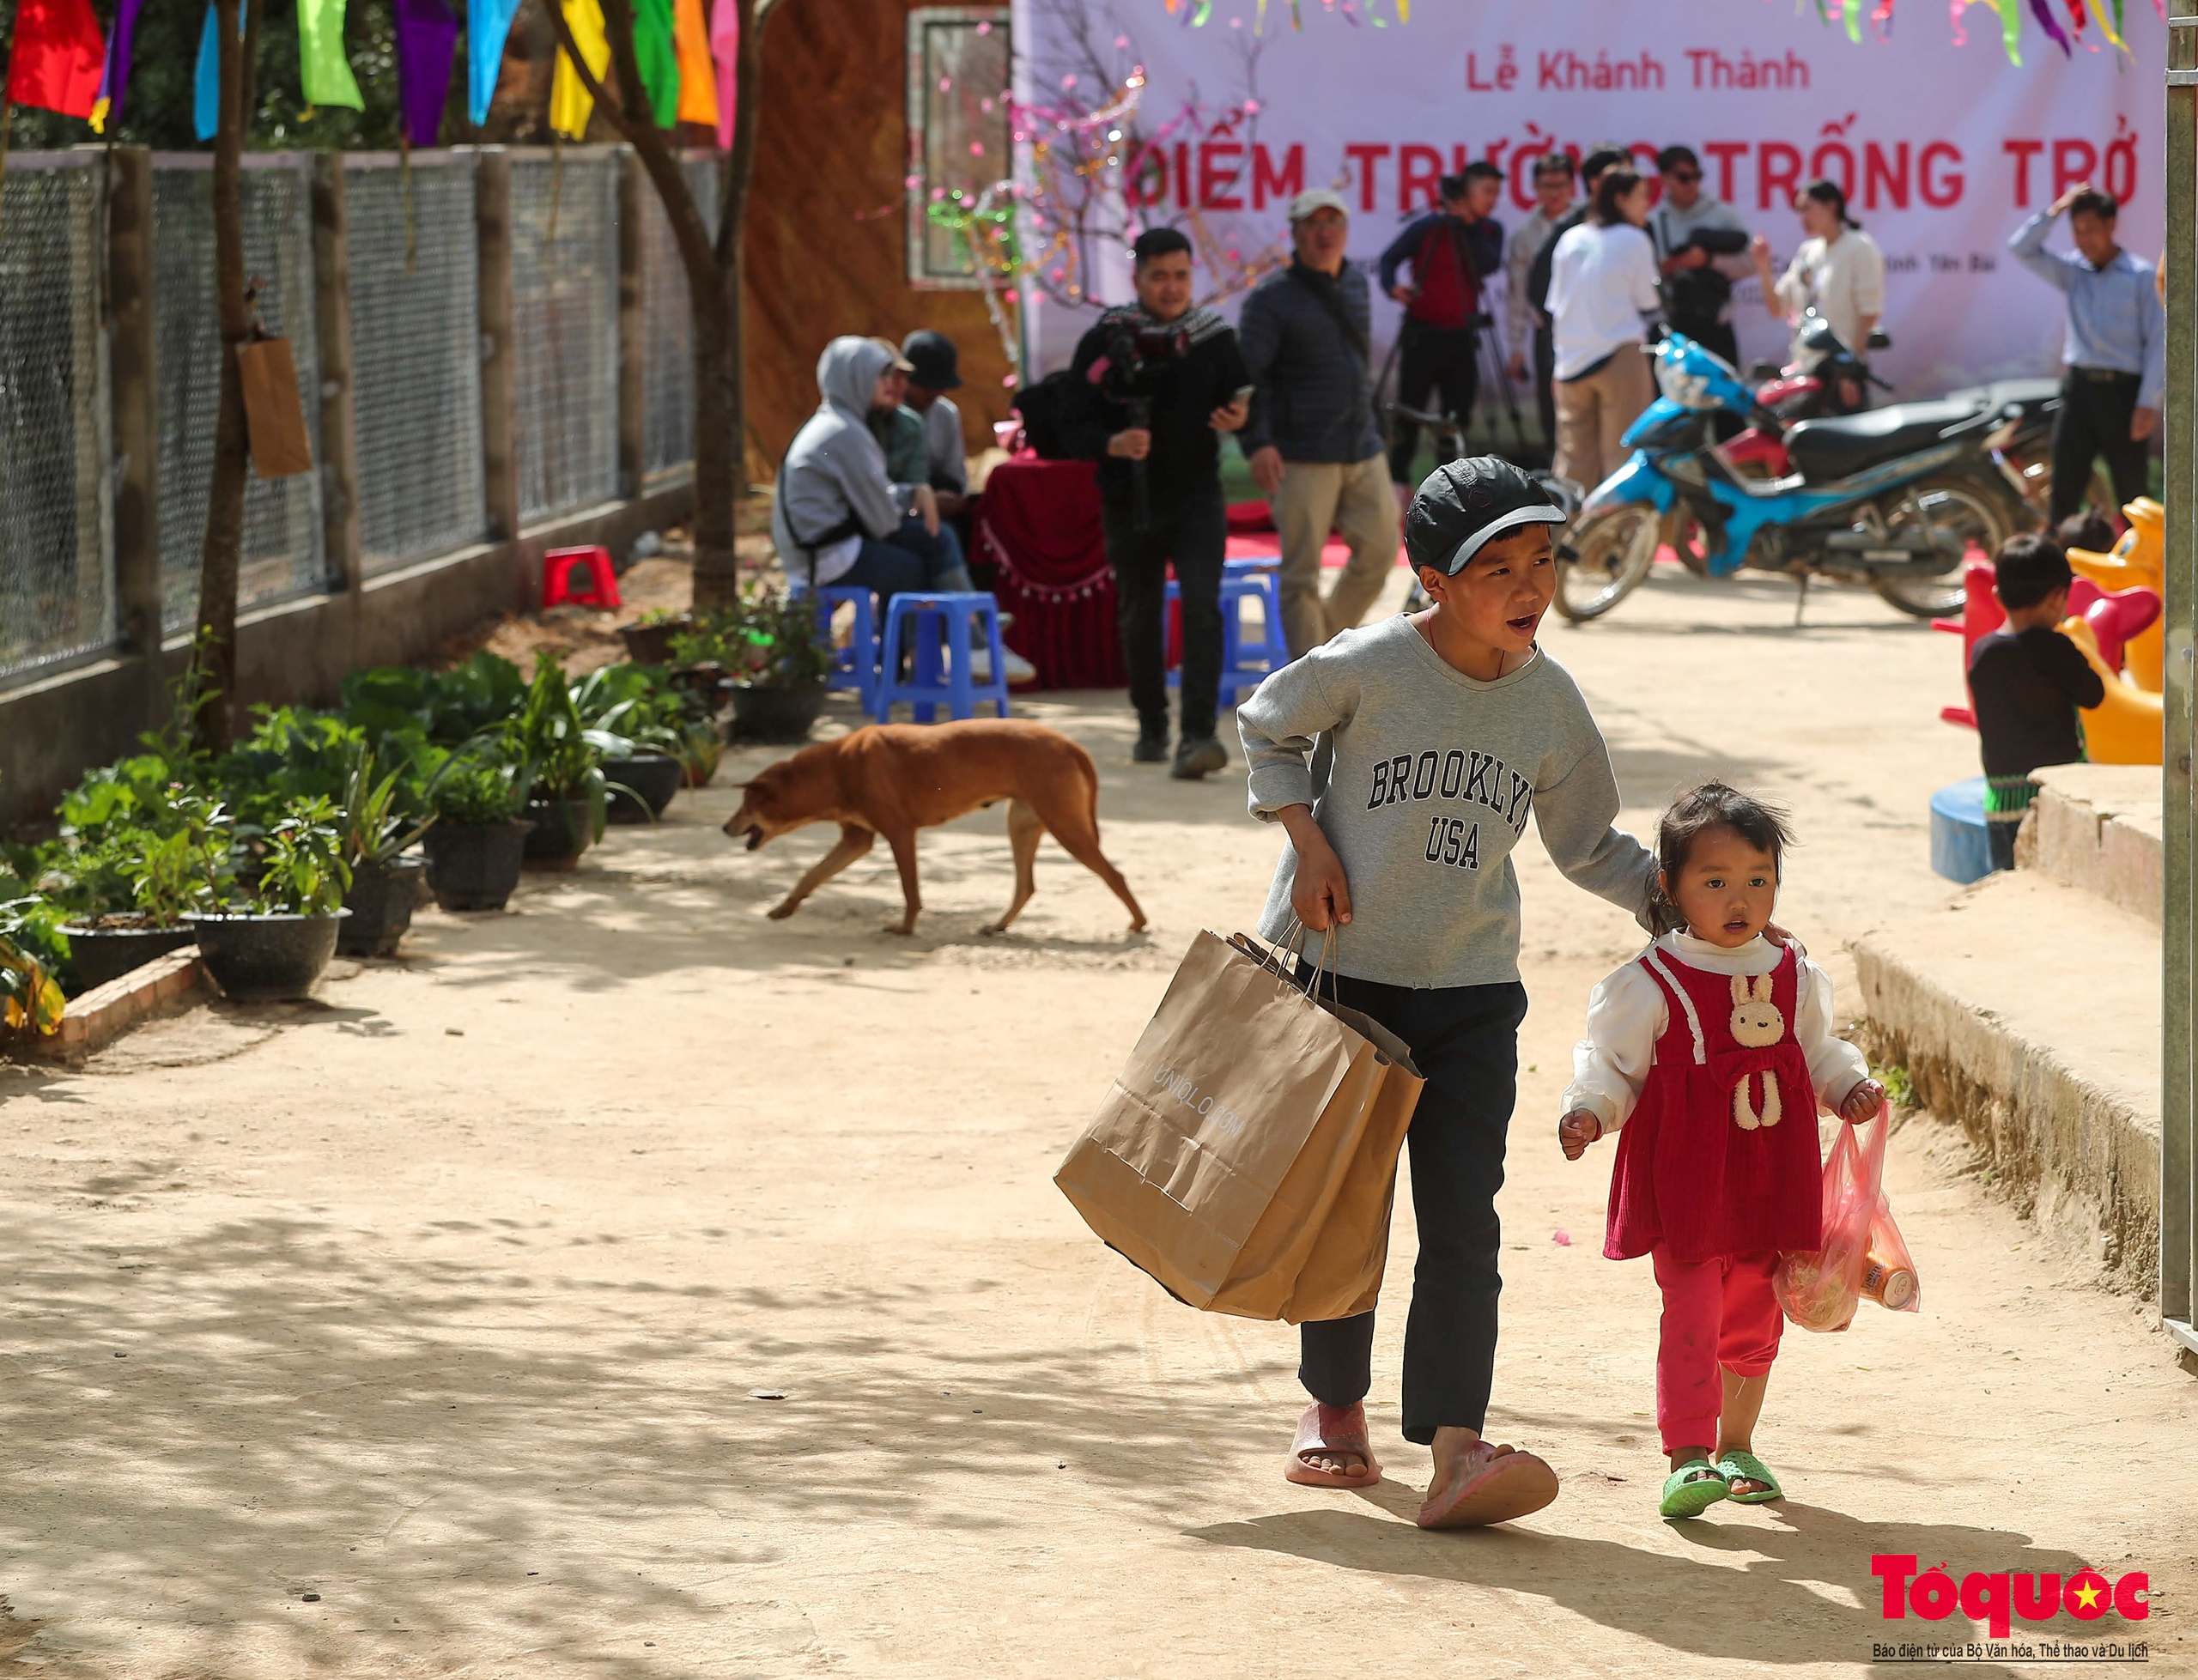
[(274, 418), (1246, 1155)]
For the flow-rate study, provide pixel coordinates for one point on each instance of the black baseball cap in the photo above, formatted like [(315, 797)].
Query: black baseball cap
[(1460, 507), (931, 361)]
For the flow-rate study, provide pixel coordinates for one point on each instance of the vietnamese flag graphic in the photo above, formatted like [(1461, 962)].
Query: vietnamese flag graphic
[(59, 58)]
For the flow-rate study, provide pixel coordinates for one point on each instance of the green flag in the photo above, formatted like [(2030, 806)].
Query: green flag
[(323, 69), (658, 58)]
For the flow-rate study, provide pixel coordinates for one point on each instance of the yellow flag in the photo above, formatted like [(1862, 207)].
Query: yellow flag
[(570, 103)]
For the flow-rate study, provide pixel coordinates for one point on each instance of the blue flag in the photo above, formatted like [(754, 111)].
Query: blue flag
[(206, 92), (487, 24)]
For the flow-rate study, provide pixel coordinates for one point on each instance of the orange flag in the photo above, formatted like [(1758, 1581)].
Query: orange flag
[(698, 77), (59, 58)]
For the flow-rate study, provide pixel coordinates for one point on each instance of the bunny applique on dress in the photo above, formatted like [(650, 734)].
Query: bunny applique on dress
[(1719, 1156)]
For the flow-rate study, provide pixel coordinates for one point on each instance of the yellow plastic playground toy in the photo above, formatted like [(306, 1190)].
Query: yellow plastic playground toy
[(2139, 561), (2125, 727)]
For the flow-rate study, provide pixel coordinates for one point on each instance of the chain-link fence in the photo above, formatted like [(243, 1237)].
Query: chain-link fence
[(565, 330), (668, 336), (415, 356), (57, 550), (283, 553)]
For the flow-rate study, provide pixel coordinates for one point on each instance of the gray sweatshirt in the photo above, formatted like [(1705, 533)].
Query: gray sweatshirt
[(1433, 775), (833, 485)]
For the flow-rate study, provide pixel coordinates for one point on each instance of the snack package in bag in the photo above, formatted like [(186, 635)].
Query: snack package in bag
[(1862, 1252)]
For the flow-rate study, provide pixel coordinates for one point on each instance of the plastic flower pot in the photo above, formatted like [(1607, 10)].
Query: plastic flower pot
[(653, 777), (475, 866), (563, 828), (381, 901), (783, 715), (99, 955), (265, 959)]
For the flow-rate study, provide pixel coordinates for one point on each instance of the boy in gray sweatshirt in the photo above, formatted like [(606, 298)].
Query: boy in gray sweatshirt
[(1445, 731)]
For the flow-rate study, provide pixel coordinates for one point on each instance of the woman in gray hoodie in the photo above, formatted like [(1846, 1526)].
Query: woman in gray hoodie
[(836, 516)]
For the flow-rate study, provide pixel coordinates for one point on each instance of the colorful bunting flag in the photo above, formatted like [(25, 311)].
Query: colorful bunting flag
[(324, 71), (488, 22), (570, 103), (657, 58), (58, 57), (698, 80), (2052, 25), (206, 86), (426, 33), (115, 74), (725, 47)]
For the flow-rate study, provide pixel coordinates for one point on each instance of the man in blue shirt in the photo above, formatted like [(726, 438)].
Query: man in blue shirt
[(2115, 350)]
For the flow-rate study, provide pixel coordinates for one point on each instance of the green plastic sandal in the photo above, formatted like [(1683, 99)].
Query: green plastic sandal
[(1739, 1464), (1688, 1492)]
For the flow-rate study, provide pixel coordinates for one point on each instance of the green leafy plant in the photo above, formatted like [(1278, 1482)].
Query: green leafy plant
[(446, 707), (629, 708), (700, 749), (548, 745), (304, 872), (476, 794), (187, 869), (30, 997), (33, 921), (374, 828), (768, 641)]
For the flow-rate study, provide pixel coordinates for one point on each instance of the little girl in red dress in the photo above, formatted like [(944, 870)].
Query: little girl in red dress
[(1711, 1052)]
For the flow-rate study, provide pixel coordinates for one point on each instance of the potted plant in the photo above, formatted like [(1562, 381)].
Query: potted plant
[(701, 745), (127, 865), (385, 883), (648, 638), (778, 664), (478, 842), (270, 943), (635, 720), (560, 768), (31, 1004)]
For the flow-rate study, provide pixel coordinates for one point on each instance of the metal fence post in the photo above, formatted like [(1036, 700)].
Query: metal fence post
[(492, 213), (633, 337), (339, 434), (2179, 1087), (135, 409)]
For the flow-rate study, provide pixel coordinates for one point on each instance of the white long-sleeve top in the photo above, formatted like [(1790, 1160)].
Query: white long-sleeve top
[(1626, 1015)]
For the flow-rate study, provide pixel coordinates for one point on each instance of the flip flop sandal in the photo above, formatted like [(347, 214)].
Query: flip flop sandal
[(1510, 1485), (1692, 1488), (1739, 1464), (1334, 1430)]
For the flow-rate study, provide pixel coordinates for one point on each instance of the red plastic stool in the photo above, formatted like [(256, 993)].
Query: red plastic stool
[(558, 566)]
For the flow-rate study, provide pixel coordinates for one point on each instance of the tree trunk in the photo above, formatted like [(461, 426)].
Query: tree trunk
[(739, 169), (213, 652), (717, 444)]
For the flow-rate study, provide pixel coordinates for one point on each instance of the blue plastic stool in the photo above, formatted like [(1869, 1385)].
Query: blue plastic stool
[(855, 665), (1244, 664), (929, 685), (1961, 846)]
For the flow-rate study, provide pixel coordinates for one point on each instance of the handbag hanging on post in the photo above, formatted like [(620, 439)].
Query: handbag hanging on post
[(1246, 1155)]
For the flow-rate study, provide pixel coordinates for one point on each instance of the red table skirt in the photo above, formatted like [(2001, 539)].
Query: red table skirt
[(1038, 524)]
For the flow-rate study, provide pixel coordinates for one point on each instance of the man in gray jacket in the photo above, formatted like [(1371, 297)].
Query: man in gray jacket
[(1311, 441)]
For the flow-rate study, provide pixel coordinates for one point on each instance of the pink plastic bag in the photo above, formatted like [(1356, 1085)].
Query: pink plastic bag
[(1863, 1254)]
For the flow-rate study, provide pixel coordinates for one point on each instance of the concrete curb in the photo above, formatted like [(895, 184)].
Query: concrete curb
[(2071, 1149), (2098, 827), (98, 1017)]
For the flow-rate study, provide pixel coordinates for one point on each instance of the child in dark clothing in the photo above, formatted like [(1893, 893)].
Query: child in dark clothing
[(2027, 679)]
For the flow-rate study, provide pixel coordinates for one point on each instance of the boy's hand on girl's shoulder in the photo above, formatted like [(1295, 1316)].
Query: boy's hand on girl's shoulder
[(1864, 1103), (1576, 1131)]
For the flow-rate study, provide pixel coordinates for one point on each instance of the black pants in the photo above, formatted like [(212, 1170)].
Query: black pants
[(1545, 385), (1194, 534), (1717, 336), (1432, 358), (1466, 1041), (2093, 421)]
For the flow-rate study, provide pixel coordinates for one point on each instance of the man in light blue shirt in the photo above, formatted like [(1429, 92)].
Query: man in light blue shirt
[(2116, 351)]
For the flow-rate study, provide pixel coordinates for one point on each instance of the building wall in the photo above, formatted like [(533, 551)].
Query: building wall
[(827, 225)]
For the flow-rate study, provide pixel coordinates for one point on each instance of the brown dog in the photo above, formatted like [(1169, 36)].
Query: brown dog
[(894, 779)]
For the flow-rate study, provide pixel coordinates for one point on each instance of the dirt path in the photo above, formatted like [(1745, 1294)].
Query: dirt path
[(449, 1299)]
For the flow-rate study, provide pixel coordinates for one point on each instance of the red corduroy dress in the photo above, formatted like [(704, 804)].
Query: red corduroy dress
[(1703, 1169)]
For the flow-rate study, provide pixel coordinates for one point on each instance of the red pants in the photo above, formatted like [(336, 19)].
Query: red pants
[(1717, 1313)]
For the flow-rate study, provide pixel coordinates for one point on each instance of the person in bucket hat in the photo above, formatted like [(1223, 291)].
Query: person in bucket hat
[(1404, 761)]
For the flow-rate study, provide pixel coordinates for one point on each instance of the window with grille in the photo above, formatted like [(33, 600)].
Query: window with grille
[(958, 146)]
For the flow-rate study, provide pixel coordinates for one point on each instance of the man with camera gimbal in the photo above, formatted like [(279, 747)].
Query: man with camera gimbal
[(1151, 388)]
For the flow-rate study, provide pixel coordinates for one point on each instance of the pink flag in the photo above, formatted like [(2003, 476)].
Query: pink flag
[(725, 47)]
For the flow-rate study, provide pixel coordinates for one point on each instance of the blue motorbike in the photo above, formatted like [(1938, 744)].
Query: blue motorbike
[(1892, 497)]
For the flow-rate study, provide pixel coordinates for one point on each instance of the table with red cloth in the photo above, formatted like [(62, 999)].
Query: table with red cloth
[(1037, 525)]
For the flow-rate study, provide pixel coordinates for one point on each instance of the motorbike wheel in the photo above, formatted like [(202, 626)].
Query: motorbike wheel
[(1610, 554), (1953, 505)]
